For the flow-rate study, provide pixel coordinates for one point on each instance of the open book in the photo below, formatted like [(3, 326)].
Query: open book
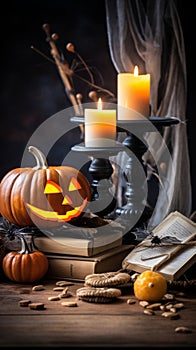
[(169, 249)]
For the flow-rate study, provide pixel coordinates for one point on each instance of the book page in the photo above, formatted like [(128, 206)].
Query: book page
[(174, 233), (146, 257), (178, 230), (181, 259), (176, 225)]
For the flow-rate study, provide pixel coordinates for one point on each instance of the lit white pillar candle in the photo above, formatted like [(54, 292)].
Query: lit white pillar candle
[(133, 95), (100, 126)]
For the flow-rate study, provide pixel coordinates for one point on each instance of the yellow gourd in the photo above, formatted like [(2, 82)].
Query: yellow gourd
[(150, 286)]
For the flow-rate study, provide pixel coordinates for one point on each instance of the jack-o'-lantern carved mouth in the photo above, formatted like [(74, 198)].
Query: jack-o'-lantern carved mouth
[(53, 190), (52, 215)]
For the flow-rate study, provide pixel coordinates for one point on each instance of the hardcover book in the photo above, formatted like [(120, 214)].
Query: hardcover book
[(95, 244), (170, 249), (76, 268)]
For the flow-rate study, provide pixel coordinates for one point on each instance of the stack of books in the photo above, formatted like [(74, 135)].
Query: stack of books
[(75, 252)]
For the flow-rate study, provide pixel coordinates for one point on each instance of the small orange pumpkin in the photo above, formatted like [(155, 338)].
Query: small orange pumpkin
[(45, 196), (25, 266), (150, 286)]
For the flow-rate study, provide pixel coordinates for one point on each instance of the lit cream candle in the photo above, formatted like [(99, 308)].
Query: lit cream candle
[(100, 126), (133, 95)]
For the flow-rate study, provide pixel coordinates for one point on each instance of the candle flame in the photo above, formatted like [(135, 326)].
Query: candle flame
[(136, 71), (99, 104)]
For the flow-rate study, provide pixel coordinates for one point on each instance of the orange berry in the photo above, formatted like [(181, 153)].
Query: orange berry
[(150, 286)]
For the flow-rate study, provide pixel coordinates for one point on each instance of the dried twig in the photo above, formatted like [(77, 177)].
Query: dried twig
[(63, 68)]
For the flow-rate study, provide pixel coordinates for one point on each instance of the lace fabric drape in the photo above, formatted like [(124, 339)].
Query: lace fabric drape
[(149, 34)]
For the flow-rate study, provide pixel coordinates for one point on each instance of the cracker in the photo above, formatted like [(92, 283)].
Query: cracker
[(108, 279), (98, 295)]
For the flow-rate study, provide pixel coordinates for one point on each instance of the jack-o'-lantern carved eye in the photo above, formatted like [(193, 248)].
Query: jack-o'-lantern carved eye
[(52, 187), (74, 185)]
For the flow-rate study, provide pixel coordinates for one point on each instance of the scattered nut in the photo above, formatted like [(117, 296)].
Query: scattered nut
[(143, 303), (173, 309), (168, 306), (169, 296), (183, 329), (64, 283), (179, 305), (65, 293), (162, 307), (69, 303), (131, 301), (149, 312), (36, 306), (58, 289), (54, 298), (38, 287), (154, 306), (24, 302), (171, 315)]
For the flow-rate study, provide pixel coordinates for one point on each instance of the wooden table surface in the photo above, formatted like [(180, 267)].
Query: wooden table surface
[(117, 324)]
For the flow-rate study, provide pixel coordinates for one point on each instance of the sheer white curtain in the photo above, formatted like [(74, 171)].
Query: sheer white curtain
[(149, 34)]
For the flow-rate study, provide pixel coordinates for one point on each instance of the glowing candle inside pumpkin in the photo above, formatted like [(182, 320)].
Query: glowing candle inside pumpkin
[(100, 126), (133, 94)]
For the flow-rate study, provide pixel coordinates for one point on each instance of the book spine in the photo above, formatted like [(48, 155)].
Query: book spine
[(83, 248), (70, 269), (78, 269)]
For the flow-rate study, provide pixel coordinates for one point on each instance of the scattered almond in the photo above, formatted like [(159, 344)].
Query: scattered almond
[(143, 303), (169, 296), (38, 287), (24, 302), (149, 312), (171, 315), (183, 329), (179, 305), (58, 289), (64, 283), (154, 306), (173, 309), (69, 303), (131, 301), (54, 298), (36, 306)]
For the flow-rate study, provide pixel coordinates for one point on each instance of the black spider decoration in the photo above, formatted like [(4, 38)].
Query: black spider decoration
[(156, 240), (10, 231)]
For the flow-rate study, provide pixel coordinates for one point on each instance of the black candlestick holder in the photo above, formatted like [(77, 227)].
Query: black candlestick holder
[(134, 174), (134, 212), (102, 199)]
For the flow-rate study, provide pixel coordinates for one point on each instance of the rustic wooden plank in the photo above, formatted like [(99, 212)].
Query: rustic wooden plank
[(115, 324), (11, 295), (104, 330)]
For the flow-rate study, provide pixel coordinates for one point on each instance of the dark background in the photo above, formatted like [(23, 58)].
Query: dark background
[(31, 88)]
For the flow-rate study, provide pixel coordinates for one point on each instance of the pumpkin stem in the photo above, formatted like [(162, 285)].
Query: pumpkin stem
[(24, 246), (32, 244), (40, 158)]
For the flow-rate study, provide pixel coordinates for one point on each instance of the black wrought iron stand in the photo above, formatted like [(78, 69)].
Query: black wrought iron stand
[(135, 212)]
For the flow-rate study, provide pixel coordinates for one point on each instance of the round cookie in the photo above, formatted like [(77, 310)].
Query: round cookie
[(98, 295), (108, 279)]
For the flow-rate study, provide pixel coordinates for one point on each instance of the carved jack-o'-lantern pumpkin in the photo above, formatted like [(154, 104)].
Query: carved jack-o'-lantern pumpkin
[(44, 195)]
